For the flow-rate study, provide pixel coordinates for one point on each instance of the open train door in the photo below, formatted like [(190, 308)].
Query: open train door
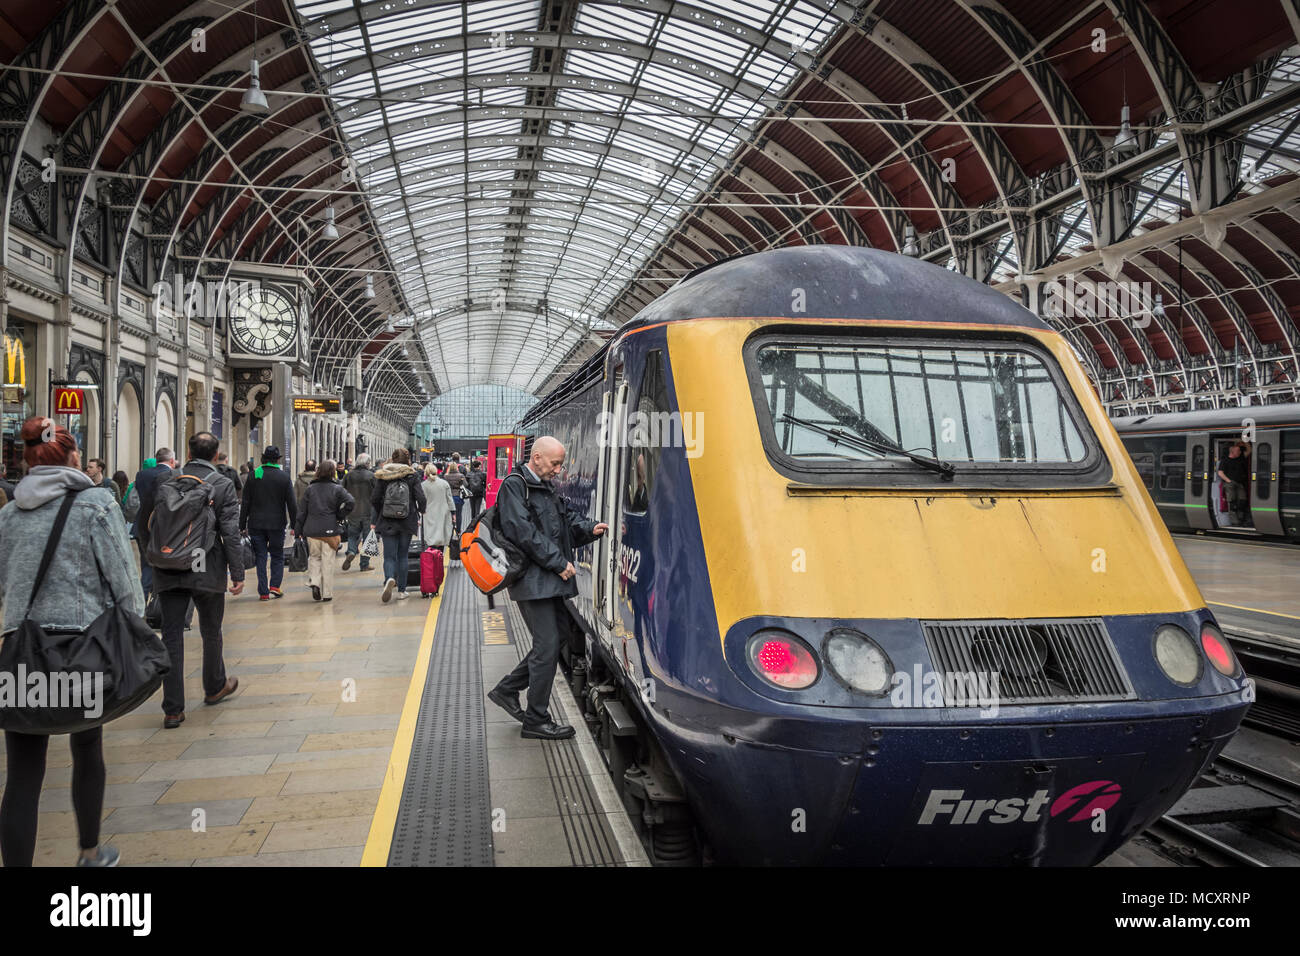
[(608, 498), (503, 452), (1264, 484), (1196, 487)]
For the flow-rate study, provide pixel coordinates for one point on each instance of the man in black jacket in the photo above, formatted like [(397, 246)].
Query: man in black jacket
[(360, 484), (205, 585), (223, 466), (267, 507), (539, 522), (477, 485), (146, 480)]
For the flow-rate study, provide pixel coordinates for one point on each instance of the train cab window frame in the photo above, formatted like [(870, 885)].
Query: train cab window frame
[(501, 464), (1090, 468), (645, 444)]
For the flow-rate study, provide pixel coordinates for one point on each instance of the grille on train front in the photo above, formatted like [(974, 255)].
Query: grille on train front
[(1045, 661)]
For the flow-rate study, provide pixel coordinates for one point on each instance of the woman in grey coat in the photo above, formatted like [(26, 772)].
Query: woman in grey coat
[(437, 511), (91, 571)]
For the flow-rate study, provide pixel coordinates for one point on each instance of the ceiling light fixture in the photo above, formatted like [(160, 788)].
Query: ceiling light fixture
[(370, 286), (1125, 141), (329, 232), (254, 100), (910, 248)]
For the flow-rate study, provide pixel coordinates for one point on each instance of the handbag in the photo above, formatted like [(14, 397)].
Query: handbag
[(246, 549), (370, 547), (90, 676), (298, 558)]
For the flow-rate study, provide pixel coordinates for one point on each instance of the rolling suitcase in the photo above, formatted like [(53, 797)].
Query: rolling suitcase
[(432, 572)]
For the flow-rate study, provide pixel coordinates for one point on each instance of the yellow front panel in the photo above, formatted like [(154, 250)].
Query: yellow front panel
[(928, 554)]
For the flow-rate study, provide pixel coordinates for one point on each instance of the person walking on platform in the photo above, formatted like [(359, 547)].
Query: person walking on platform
[(223, 466), (456, 481), (325, 508), (540, 524), (155, 469), (267, 507), (437, 510), (304, 480), (73, 594), (395, 508), (204, 579), (360, 484), (476, 485)]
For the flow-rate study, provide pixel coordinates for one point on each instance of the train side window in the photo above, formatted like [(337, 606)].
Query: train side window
[(1146, 469), (1198, 471), (1171, 471), (650, 428), (1263, 465), (1289, 473)]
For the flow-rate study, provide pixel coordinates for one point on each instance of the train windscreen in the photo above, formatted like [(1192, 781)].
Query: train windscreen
[(978, 405)]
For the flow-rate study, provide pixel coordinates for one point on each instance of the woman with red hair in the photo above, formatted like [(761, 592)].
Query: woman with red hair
[(91, 564)]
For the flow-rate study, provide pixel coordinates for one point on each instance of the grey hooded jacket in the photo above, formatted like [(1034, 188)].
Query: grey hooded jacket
[(72, 594)]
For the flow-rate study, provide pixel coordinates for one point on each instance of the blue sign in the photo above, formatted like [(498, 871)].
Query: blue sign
[(218, 403)]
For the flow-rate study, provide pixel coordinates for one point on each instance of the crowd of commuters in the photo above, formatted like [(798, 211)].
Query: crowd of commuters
[(339, 510)]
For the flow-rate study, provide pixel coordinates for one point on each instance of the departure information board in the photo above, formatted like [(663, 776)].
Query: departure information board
[(316, 404)]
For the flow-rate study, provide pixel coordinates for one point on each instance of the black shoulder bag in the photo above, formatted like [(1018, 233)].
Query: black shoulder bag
[(62, 682)]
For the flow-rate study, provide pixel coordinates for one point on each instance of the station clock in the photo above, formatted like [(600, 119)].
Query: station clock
[(264, 322)]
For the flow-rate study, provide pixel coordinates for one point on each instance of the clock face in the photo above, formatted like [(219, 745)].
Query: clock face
[(264, 322)]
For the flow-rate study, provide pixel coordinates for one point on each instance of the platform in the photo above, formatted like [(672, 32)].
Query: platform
[(1253, 587), (300, 768)]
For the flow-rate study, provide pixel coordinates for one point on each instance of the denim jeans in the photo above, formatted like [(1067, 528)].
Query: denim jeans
[(357, 531), (264, 543), (396, 558), (456, 502)]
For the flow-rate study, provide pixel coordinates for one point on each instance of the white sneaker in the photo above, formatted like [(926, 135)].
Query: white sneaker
[(402, 595), (388, 590)]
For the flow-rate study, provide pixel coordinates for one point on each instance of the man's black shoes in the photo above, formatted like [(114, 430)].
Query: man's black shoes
[(507, 702), (547, 731)]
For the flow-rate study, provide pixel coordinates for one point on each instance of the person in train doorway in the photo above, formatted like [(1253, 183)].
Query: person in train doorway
[(268, 506), (539, 522), (1234, 471)]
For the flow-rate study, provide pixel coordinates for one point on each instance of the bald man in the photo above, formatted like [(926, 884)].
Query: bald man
[(540, 523)]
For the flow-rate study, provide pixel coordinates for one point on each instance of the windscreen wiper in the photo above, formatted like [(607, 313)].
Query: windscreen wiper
[(944, 469)]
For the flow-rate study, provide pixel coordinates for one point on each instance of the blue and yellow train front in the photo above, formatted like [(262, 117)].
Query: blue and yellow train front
[(975, 671)]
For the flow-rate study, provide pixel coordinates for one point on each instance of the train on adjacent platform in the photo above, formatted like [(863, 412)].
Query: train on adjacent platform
[(1178, 455), (882, 585)]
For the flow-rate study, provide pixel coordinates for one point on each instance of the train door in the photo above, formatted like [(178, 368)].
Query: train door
[(609, 499), (1196, 489), (1264, 484), (501, 459)]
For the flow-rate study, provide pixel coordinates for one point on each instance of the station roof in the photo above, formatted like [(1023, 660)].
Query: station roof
[(517, 178)]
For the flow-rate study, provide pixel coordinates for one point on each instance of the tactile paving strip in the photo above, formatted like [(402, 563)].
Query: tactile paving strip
[(445, 818), (586, 829)]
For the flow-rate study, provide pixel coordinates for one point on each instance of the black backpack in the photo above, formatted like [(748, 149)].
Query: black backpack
[(183, 524), (397, 500), (477, 483)]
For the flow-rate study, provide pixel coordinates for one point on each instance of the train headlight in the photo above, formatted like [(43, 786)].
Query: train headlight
[(1218, 651), (782, 660), (858, 661), (1177, 655)]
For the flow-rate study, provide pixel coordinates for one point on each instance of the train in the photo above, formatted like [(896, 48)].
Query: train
[(881, 585), (1177, 455)]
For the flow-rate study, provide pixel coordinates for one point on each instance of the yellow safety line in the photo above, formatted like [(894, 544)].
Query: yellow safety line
[(1238, 607), (382, 824)]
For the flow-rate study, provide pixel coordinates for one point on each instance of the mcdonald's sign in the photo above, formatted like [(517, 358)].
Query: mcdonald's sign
[(67, 401), (15, 362)]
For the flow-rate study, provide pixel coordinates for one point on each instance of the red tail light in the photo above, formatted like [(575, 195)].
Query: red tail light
[(1218, 651), (782, 660)]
